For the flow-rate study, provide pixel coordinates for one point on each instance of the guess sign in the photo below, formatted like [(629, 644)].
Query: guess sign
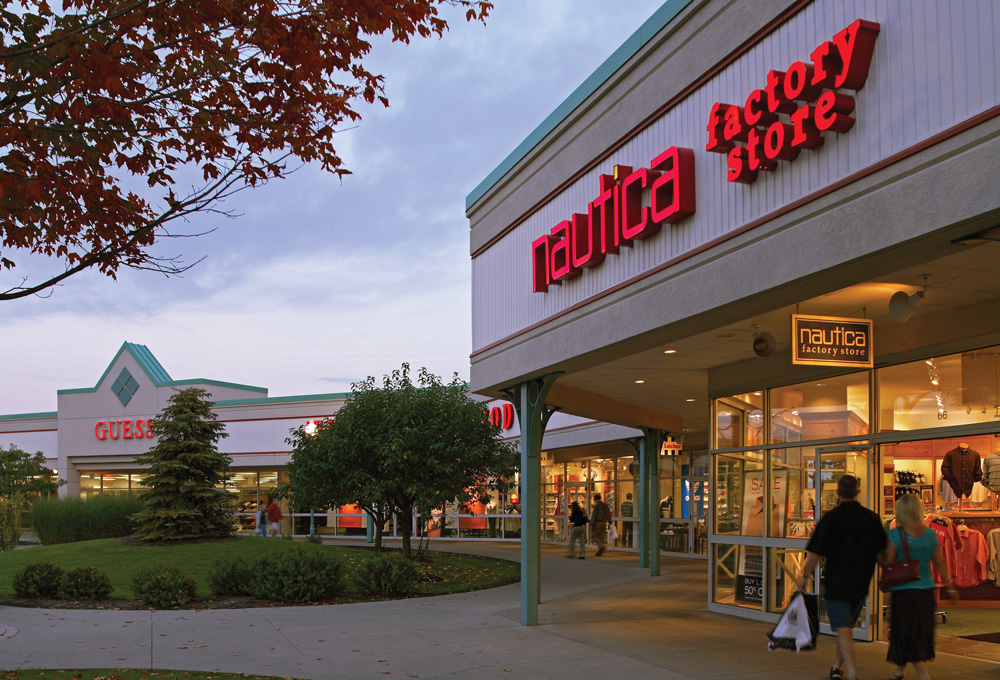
[(754, 137), (616, 217), (124, 429)]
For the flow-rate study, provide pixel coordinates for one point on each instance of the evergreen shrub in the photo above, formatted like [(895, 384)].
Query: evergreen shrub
[(233, 575), (161, 586), (38, 580), (388, 574), (296, 576), (85, 583)]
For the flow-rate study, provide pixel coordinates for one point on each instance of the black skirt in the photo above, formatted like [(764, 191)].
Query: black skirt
[(911, 626)]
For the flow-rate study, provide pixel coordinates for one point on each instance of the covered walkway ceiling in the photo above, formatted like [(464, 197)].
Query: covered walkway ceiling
[(674, 388)]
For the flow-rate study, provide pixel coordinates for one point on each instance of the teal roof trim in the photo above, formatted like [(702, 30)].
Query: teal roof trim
[(660, 18), (217, 383), (20, 416), (283, 400), (156, 373), (148, 362)]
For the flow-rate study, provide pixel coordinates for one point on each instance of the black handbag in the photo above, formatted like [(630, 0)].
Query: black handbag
[(904, 571)]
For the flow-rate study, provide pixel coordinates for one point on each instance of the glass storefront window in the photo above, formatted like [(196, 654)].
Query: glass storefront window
[(784, 566), (739, 489), (739, 421), (820, 409), (837, 461), (957, 389), (737, 575), (793, 492)]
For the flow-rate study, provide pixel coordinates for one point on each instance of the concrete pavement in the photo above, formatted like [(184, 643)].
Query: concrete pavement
[(601, 618)]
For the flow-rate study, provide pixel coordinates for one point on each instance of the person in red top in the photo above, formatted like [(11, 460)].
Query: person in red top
[(273, 518)]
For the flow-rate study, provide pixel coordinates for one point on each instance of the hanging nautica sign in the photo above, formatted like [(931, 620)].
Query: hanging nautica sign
[(832, 341)]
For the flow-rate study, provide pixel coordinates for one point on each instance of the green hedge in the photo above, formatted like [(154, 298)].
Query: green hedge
[(65, 520)]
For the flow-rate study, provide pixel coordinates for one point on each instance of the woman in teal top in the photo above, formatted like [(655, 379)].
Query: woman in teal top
[(911, 619)]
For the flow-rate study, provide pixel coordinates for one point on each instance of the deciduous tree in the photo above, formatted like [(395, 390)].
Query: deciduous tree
[(402, 445), (22, 475), (186, 472), (107, 107)]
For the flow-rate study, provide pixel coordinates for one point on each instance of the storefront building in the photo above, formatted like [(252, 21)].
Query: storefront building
[(771, 232), (93, 438)]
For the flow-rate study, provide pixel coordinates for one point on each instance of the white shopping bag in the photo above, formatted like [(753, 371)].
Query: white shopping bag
[(798, 626)]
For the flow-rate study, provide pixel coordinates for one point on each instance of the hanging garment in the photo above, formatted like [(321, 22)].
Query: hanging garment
[(991, 472), (962, 468), (993, 567), (979, 493), (970, 559), (945, 493), (950, 541)]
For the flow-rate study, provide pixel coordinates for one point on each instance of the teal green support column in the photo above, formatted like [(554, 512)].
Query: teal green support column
[(652, 442), (532, 415), (643, 503)]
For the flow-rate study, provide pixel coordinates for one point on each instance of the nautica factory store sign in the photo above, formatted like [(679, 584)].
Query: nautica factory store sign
[(831, 341)]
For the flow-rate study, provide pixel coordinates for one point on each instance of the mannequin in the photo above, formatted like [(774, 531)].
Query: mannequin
[(667, 507), (961, 468), (991, 472)]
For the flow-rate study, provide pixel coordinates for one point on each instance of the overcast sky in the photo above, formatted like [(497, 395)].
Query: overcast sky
[(321, 282)]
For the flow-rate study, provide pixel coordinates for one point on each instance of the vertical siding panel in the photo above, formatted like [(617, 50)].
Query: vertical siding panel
[(935, 65)]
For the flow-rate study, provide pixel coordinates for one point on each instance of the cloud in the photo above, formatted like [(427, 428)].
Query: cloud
[(324, 277)]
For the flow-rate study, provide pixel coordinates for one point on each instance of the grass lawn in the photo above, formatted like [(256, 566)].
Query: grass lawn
[(445, 573), (120, 674)]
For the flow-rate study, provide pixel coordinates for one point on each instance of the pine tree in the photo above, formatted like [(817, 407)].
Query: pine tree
[(186, 471)]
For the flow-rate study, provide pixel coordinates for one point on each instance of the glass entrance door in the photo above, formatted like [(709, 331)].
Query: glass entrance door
[(580, 493)]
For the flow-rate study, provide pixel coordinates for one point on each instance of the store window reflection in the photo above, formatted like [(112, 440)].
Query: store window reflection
[(739, 421), (820, 409), (794, 491), (956, 389), (739, 493), (737, 575)]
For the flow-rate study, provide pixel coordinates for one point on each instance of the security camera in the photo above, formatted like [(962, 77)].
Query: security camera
[(763, 345)]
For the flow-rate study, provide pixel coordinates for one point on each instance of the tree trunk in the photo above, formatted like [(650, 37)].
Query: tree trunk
[(406, 520), (376, 517)]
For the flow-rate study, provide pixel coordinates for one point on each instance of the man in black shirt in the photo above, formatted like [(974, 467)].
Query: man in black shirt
[(852, 539)]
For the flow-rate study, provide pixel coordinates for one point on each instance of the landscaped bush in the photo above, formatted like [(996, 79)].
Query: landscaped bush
[(388, 574), (85, 583), (65, 520), (38, 580), (296, 576), (161, 586), (233, 575)]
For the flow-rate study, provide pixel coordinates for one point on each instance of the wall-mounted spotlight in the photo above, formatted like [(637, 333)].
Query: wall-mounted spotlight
[(763, 343), (901, 305)]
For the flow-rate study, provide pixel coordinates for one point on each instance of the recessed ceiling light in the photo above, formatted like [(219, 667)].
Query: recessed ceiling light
[(757, 394), (670, 351), (639, 382), (690, 399)]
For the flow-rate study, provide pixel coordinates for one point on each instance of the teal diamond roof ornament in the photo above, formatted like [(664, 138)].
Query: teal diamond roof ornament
[(125, 387)]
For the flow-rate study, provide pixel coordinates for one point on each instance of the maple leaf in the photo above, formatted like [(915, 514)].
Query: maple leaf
[(101, 93)]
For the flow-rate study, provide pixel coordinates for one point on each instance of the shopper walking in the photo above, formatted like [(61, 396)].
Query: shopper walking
[(627, 511), (852, 539), (599, 521), (274, 518), (911, 612), (577, 518), (261, 528)]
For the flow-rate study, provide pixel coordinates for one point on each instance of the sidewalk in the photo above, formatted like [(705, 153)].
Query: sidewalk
[(600, 618)]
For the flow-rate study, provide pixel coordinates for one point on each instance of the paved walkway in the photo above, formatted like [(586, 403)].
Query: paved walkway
[(599, 618)]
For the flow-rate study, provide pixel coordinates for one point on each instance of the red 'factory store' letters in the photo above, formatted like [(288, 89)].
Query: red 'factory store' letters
[(754, 137), (616, 217)]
